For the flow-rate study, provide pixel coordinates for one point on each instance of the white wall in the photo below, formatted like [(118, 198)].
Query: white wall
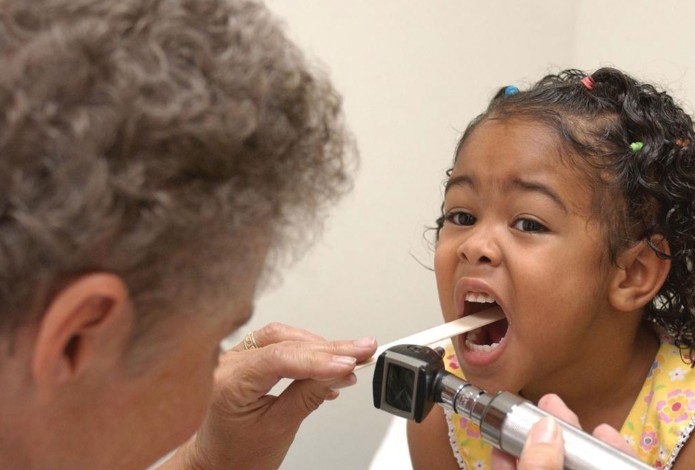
[(413, 73), (652, 40)]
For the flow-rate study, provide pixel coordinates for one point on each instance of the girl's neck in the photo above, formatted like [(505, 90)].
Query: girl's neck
[(608, 391)]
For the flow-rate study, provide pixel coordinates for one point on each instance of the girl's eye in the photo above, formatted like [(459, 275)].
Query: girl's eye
[(529, 225), (460, 218)]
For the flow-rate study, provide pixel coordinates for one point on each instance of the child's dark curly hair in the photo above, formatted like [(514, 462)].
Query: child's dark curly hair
[(640, 193)]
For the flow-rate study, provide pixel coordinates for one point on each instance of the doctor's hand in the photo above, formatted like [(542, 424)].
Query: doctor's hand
[(544, 447), (246, 426)]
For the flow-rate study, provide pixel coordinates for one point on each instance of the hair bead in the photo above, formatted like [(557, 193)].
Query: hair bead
[(636, 146), (588, 82), (511, 90)]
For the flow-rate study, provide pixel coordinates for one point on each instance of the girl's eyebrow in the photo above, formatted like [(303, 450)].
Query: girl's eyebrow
[(540, 188), (462, 180), (532, 186)]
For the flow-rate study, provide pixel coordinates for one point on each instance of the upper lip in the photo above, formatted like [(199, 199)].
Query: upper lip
[(468, 285)]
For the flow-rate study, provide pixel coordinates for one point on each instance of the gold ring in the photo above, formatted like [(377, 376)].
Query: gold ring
[(250, 341)]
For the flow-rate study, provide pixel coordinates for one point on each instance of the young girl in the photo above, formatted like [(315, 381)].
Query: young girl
[(570, 208)]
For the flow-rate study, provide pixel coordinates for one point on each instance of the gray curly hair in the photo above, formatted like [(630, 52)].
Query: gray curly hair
[(155, 139)]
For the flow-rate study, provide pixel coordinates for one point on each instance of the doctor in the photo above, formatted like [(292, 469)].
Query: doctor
[(159, 161)]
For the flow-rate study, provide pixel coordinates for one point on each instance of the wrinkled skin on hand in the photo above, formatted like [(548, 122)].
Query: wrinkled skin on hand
[(246, 426)]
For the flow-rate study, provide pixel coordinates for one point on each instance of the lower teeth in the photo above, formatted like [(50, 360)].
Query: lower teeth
[(470, 342), (482, 347)]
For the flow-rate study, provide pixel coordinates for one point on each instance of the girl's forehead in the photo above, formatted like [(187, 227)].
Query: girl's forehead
[(513, 140), (515, 152)]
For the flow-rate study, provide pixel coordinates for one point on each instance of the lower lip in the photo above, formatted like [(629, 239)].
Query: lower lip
[(480, 358)]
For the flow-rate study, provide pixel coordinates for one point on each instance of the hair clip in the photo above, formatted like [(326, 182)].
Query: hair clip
[(588, 82), (511, 90), (682, 142), (636, 146)]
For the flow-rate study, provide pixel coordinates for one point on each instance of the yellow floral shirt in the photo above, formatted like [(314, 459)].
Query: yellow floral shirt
[(657, 427)]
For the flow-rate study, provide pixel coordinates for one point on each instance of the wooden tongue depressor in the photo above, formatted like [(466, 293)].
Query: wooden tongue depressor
[(440, 332)]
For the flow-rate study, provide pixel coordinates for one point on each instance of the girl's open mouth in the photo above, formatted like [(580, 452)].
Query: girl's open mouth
[(489, 337)]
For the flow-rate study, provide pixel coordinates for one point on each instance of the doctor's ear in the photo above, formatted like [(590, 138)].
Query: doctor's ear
[(640, 273), (86, 327)]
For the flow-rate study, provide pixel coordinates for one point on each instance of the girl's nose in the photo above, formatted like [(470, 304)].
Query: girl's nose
[(480, 247)]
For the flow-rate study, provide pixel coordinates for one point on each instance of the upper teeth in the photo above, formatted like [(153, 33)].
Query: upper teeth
[(479, 297)]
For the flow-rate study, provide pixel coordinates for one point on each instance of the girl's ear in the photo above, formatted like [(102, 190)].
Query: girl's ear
[(85, 327), (639, 275)]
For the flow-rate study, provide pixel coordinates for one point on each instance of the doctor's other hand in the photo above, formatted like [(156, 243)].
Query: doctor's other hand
[(544, 447)]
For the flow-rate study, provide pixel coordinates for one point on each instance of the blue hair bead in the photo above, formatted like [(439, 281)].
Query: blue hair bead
[(511, 90)]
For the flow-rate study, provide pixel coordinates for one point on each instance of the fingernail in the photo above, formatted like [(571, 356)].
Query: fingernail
[(545, 431), (344, 360), (367, 342)]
